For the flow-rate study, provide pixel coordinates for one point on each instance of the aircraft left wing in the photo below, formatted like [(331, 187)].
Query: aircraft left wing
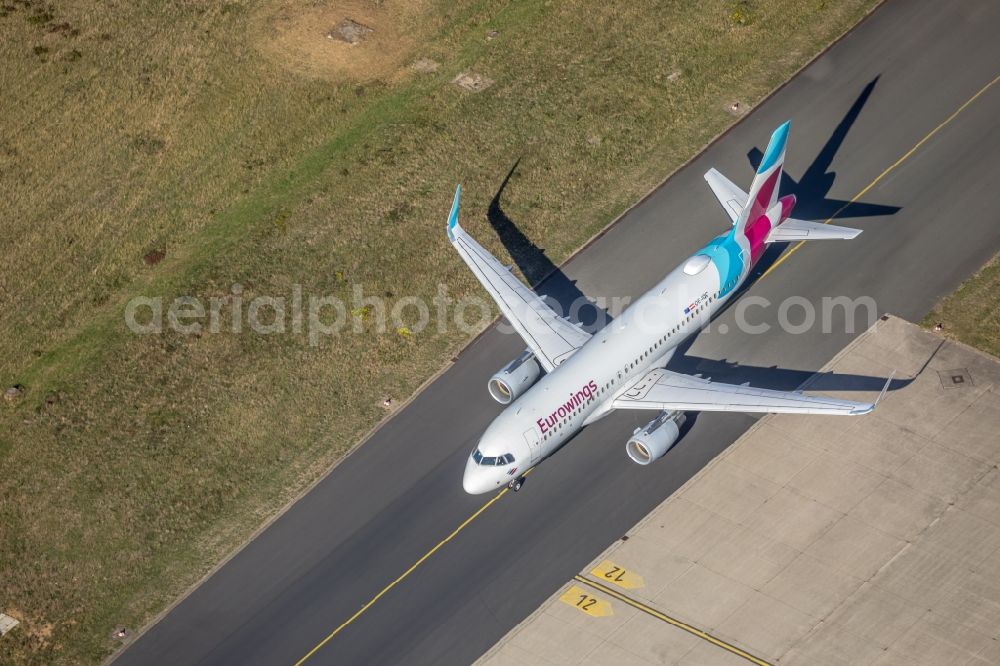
[(663, 389), (551, 338)]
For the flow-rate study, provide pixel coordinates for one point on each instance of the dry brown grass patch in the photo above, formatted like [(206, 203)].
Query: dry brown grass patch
[(296, 38), (38, 630)]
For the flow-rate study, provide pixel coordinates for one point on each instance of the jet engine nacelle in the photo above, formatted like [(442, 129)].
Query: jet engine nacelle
[(652, 441), (516, 378)]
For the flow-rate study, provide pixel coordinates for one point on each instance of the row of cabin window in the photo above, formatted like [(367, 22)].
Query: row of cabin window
[(608, 385), (669, 333)]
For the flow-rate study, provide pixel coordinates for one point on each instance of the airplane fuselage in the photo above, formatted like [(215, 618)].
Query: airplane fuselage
[(623, 365), (581, 390)]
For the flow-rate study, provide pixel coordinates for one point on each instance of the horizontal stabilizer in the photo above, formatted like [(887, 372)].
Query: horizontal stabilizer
[(801, 230), (729, 195)]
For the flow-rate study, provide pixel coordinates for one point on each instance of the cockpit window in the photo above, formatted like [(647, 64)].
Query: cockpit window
[(483, 460), (492, 461)]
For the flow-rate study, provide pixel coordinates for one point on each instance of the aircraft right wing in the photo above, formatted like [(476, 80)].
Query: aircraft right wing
[(551, 338), (663, 389), (729, 195)]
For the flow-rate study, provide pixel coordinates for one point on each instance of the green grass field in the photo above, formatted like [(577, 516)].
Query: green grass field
[(972, 314), (167, 149)]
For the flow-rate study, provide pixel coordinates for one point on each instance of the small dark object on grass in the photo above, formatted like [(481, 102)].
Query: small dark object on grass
[(155, 256)]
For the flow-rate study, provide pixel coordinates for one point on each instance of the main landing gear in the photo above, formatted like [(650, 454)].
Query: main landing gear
[(515, 484)]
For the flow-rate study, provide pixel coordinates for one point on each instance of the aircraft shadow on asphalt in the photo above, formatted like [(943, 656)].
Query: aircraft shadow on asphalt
[(812, 188), (812, 203), (811, 192)]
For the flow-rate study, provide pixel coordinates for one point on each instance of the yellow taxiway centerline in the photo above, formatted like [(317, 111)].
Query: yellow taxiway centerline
[(402, 576)]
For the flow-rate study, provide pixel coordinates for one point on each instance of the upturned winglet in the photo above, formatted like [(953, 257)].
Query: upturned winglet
[(453, 227)]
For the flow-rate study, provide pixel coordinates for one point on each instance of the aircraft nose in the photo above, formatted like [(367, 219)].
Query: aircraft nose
[(474, 481), (470, 485)]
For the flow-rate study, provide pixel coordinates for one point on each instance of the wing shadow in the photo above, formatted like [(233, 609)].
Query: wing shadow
[(781, 379), (547, 279)]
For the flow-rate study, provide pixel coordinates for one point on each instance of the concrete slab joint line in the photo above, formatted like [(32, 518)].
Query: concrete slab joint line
[(663, 617)]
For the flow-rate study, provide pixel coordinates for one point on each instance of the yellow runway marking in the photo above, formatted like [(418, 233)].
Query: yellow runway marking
[(610, 572), (587, 603), (882, 175), (406, 573), (669, 620)]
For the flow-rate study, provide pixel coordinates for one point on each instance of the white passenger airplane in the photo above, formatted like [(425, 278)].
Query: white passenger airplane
[(622, 366)]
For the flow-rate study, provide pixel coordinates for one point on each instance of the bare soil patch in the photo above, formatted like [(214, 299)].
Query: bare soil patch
[(426, 66), (472, 81), (368, 40), (349, 31)]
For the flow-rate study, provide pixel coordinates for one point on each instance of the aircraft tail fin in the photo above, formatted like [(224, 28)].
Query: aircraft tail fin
[(764, 190)]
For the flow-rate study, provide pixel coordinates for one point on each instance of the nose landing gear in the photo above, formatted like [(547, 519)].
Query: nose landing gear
[(515, 484)]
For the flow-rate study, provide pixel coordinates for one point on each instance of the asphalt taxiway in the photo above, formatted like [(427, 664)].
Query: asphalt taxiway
[(907, 91)]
